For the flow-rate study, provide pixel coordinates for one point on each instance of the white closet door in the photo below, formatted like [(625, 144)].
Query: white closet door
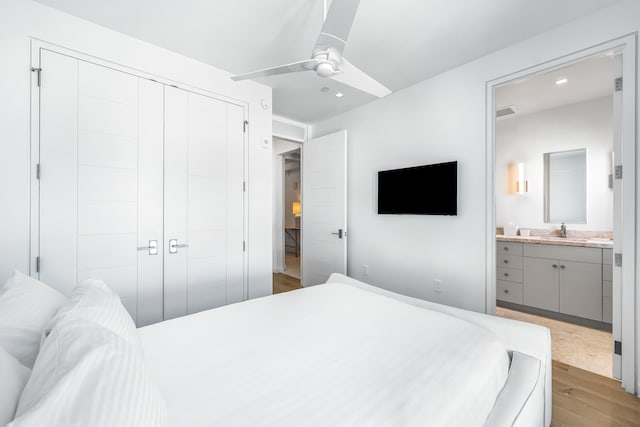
[(89, 196), (150, 201), (204, 171), (59, 170)]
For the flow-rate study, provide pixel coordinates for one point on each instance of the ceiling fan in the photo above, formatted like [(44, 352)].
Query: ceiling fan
[(326, 57)]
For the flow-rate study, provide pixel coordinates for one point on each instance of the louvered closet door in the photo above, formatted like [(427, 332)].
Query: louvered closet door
[(101, 182), (203, 205)]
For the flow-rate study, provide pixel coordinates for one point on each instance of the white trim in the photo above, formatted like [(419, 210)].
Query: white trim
[(631, 299), (304, 128)]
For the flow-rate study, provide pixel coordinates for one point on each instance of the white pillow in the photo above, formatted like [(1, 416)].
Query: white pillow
[(13, 376), (93, 300), (26, 306), (86, 375)]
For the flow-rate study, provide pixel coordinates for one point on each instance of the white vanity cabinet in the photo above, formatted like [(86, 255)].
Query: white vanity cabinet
[(571, 280)]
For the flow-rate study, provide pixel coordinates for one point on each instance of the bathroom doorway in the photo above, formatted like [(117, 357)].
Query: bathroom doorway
[(558, 204)]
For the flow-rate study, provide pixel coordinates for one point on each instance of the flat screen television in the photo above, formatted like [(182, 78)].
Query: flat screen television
[(420, 190)]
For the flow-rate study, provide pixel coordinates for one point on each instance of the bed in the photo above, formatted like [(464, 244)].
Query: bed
[(347, 353), (343, 353)]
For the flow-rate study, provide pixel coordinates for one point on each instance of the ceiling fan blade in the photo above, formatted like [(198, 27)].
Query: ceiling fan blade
[(354, 77), (337, 25), (306, 65)]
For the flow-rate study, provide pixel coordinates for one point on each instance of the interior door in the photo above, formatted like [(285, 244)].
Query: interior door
[(204, 203), (90, 161), (324, 208)]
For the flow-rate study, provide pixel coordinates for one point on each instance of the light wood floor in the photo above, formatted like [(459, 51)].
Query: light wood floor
[(579, 346), (292, 265), (580, 398)]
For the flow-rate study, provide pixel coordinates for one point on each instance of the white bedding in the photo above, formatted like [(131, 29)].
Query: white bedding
[(329, 355)]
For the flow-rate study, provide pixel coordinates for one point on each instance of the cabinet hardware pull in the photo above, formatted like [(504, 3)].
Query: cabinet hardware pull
[(506, 248), (506, 274), (562, 266), (555, 265), (506, 291), (506, 262)]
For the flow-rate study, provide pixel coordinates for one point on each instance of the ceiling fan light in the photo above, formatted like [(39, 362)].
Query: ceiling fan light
[(325, 69)]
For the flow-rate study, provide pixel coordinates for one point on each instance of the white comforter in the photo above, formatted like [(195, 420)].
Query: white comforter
[(330, 355)]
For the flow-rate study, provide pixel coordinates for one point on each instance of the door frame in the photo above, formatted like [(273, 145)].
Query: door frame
[(34, 154), (627, 46)]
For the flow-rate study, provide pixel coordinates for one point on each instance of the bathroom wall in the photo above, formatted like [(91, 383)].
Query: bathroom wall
[(526, 138)]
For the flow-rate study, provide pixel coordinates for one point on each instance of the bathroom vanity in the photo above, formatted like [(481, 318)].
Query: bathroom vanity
[(570, 277)]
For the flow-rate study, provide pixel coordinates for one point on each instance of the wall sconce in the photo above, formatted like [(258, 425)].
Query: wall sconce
[(296, 209), (515, 179), (522, 185)]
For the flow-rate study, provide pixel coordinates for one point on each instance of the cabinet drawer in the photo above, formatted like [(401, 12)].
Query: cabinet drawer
[(607, 256), (509, 261), (509, 274), (607, 310), (509, 291), (509, 248), (607, 272), (569, 253), (607, 288)]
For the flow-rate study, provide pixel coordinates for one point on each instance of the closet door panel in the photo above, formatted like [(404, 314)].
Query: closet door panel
[(107, 196), (235, 204), (175, 201), (59, 161), (150, 201), (207, 143)]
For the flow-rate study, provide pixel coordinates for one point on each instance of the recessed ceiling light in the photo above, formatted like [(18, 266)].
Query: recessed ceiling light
[(339, 94), (324, 89), (562, 81)]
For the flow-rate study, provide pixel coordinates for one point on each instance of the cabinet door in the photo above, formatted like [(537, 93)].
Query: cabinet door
[(540, 281), (581, 289)]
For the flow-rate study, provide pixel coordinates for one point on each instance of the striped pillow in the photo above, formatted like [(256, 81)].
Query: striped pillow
[(87, 375), (93, 300)]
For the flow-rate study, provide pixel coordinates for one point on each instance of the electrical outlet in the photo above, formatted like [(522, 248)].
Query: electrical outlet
[(436, 285), (365, 270)]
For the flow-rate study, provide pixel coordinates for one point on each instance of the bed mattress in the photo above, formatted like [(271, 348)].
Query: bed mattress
[(328, 355)]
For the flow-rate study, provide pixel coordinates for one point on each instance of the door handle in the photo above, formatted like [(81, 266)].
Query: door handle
[(174, 246), (152, 248), (339, 233)]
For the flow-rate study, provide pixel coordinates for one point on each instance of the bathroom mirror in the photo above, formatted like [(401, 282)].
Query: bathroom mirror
[(565, 187)]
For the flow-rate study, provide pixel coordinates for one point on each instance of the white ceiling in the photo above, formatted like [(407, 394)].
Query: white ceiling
[(398, 42), (588, 79)]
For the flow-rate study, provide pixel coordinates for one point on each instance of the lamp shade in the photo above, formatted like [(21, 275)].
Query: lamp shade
[(296, 208)]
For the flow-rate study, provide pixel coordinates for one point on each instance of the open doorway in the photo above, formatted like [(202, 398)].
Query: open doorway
[(554, 189), (287, 203)]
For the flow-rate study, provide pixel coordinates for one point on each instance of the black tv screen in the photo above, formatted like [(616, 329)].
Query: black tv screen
[(421, 190)]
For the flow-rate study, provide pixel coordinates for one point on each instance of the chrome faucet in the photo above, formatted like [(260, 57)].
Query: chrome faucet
[(563, 230)]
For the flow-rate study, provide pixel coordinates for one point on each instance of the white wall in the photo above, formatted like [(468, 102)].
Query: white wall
[(22, 20), (437, 120), (526, 138), (280, 146)]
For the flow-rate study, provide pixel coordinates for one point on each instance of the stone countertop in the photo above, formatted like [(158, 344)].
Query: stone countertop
[(561, 241)]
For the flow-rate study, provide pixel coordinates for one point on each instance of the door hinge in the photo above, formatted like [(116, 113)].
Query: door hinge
[(618, 172), (618, 84), (37, 264), (617, 347), (244, 246), (244, 126), (244, 186), (38, 75), (38, 171), (617, 259)]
